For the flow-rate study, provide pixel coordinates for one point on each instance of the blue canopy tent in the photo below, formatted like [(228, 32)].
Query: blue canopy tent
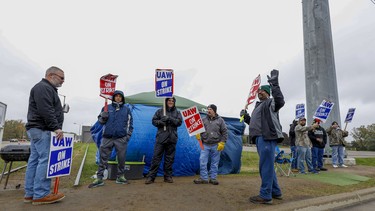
[(141, 144)]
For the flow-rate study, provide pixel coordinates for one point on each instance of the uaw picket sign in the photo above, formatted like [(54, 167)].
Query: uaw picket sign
[(193, 121), (60, 156), (164, 81), (323, 111), (300, 110)]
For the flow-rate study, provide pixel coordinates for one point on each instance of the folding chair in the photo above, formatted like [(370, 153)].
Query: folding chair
[(283, 162)]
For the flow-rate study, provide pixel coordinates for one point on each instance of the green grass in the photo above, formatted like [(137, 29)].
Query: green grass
[(249, 163), (365, 161)]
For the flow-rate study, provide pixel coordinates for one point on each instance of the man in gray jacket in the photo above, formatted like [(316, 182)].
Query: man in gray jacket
[(214, 140)]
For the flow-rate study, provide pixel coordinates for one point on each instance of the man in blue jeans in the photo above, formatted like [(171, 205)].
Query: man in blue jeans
[(214, 140), (45, 115), (265, 129)]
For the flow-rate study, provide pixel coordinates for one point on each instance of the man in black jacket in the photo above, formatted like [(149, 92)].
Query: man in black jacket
[(318, 137), (166, 140), (45, 115)]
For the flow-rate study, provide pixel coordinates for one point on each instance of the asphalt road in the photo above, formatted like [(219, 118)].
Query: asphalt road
[(364, 206)]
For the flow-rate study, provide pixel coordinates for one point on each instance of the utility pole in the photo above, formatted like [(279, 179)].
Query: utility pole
[(320, 72)]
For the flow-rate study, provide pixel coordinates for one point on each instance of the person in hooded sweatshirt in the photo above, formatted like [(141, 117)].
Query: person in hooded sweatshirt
[(117, 129), (166, 140)]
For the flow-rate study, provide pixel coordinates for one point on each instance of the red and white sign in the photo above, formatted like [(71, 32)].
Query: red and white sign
[(253, 90), (193, 121), (107, 85)]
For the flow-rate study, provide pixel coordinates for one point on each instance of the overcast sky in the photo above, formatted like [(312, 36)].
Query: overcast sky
[(216, 49)]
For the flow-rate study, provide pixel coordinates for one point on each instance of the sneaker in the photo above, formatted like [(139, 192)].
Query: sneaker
[(302, 172), (28, 199), (317, 169), (121, 180), (214, 181), (279, 197), (343, 166), (260, 200), (49, 199), (149, 180), (334, 166), (323, 169), (168, 179), (200, 181), (96, 183)]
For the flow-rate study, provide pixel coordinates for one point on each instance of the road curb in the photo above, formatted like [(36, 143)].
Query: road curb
[(327, 202)]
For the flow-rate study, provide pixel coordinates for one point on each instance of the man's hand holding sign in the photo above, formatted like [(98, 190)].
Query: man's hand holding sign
[(193, 122)]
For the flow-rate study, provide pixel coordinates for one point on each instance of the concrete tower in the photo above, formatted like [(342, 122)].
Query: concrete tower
[(320, 72)]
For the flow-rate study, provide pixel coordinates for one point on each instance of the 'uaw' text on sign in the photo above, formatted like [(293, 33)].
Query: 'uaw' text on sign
[(193, 121), (164, 83), (323, 110), (60, 156), (300, 110)]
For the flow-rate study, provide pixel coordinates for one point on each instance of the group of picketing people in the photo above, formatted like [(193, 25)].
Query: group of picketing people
[(45, 114), (308, 143)]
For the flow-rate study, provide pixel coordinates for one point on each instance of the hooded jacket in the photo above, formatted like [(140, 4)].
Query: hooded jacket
[(336, 136), (120, 119), (216, 130), (174, 121), (318, 133), (265, 117)]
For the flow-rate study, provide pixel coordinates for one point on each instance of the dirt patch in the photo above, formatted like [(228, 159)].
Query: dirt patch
[(231, 194)]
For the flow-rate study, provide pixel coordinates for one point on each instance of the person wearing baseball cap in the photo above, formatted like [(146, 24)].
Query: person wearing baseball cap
[(214, 139), (318, 138)]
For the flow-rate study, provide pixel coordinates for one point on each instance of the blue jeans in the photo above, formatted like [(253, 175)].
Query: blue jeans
[(293, 150), (304, 154), (36, 183), (209, 152), (317, 157), (266, 152), (337, 155)]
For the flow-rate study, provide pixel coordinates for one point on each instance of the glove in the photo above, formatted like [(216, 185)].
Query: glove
[(243, 112), (103, 117), (274, 79), (198, 136), (220, 146), (164, 119), (104, 114)]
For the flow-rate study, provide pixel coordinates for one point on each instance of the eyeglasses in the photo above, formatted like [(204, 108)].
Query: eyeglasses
[(62, 78)]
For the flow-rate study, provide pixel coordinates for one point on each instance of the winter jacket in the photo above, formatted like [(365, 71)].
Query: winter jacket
[(45, 111), (120, 120), (292, 133), (216, 130), (170, 132), (336, 136), (265, 117), (318, 137), (302, 138)]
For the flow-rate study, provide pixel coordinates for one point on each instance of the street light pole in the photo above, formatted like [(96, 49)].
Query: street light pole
[(79, 130)]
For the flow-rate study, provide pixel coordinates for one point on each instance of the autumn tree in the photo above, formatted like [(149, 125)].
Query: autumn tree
[(364, 138), (14, 129)]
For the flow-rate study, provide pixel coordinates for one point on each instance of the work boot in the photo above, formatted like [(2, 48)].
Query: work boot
[(121, 180), (260, 200), (149, 180), (168, 179), (49, 199), (200, 181), (279, 197), (96, 183), (28, 199), (214, 181), (323, 169)]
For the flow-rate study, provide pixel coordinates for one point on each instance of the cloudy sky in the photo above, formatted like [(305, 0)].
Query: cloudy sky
[(215, 47)]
